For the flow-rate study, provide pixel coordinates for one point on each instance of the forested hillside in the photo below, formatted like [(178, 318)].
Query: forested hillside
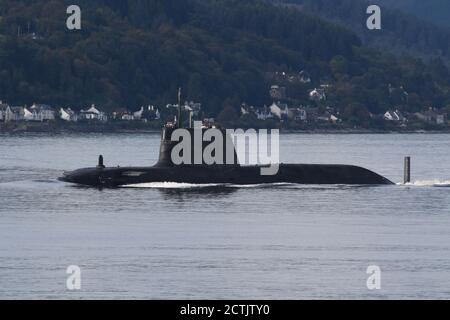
[(435, 11), (401, 32), (222, 52)]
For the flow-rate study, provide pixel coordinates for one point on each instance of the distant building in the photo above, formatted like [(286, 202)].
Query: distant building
[(279, 110), (432, 116), (195, 107), (128, 117), (151, 113), (244, 110), (298, 114), (4, 109), (317, 94), (138, 114), (28, 115), (93, 114), (263, 114), (8, 114), (16, 114), (68, 115), (304, 77), (40, 112), (277, 92), (395, 116), (208, 123), (328, 117)]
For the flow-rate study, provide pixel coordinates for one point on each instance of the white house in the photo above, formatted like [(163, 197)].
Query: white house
[(40, 112), (275, 110), (318, 94), (128, 117), (244, 111), (68, 115), (138, 114), (6, 114), (93, 114), (46, 113), (328, 117), (394, 116), (279, 110), (277, 92), (3, 108), (28, 115)]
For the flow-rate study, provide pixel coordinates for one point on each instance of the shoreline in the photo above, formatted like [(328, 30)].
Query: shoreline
[(58, 127), (158, 131)]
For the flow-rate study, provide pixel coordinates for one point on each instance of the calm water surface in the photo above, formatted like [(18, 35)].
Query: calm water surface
[(174, 242)]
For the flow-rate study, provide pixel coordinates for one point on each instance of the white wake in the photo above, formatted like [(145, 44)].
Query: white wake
[(169, 185), (428, 183)]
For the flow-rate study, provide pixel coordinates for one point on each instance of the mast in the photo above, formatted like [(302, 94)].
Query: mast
[(179, 109)]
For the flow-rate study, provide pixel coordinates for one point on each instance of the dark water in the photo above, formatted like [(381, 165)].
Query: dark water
[(179, 241)]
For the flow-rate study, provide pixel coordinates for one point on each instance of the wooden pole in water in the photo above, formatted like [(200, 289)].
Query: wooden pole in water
[(407, 170)]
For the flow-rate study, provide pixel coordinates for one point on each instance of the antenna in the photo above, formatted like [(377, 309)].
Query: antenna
[(179, 108)]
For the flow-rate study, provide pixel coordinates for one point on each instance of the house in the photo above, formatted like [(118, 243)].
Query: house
[(6, 113), (317, 94), (277, 92), (247, 110), (68, 115), (40, 112), (118, 113), (138, 114), (298, 114), (194, 106), (328, 117), (126, 115), (432, 116), (16, 114), (3, 108), (279, 110), (304, 77), (28, 115), (263, 114), (395, 116), (208, 123), (151, 113), (93, 114)]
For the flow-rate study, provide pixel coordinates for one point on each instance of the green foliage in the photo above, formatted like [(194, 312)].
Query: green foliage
[(136, 52), (400, 32), (435, 11)]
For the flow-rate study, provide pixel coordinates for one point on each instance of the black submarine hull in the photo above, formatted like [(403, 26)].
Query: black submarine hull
[(225, 174), (166, 171)]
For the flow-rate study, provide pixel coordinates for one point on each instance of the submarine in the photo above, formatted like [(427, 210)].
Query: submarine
[(166, 170)]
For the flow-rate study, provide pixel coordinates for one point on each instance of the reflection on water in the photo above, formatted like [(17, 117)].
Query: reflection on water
[(192, 194), (267, 241)]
